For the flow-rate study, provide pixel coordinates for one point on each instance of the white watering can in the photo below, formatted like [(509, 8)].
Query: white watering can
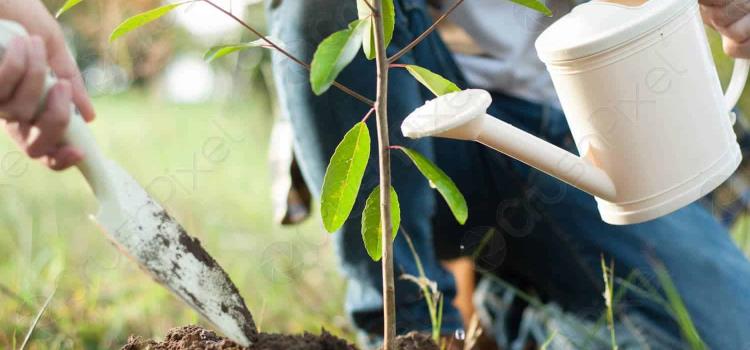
[(639, 87)]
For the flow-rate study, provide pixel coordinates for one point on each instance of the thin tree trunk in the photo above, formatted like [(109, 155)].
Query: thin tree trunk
[(381, 112)]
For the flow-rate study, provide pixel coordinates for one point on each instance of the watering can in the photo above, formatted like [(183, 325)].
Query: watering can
[(639, 87)]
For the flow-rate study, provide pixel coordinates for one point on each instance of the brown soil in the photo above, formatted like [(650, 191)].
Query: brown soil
[(416, 341), (197, 338)]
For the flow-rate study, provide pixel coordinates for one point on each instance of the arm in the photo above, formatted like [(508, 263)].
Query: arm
[(732, 19), (22, 73)]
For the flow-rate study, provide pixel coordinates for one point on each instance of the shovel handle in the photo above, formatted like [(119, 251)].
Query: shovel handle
[(79, 135)]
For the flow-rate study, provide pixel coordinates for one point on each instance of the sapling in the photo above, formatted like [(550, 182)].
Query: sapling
[(372, 31)]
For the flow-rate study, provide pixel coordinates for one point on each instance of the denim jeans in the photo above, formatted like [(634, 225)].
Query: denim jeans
[(551, 237)]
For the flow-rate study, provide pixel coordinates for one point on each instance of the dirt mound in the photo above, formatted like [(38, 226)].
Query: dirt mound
[(197, 338), (415, 341)]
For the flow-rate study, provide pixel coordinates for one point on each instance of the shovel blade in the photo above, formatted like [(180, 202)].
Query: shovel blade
[(142, 229)]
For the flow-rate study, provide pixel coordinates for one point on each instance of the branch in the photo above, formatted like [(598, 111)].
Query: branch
[(286, 53), (386, 228), (369, 5), (426, 33)]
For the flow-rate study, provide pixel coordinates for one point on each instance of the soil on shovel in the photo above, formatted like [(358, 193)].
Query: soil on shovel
[(197, 338)]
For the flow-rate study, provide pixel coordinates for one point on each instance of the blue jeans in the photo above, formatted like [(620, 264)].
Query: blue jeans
[(551, 237)]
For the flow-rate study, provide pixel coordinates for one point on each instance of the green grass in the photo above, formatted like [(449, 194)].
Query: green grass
[(287, 275)]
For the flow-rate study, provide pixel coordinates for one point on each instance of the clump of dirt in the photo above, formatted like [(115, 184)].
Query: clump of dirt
[(197, 338), (416, 341)]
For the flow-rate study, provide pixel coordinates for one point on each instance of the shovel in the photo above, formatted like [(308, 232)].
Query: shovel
[(144, 231)]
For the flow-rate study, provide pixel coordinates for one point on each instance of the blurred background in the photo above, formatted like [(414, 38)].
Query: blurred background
[(159, 105)]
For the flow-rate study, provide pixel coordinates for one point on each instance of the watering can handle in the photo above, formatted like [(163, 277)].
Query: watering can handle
[(737, 84)]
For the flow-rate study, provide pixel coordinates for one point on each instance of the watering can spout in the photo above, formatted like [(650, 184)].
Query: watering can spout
[(462, 116)]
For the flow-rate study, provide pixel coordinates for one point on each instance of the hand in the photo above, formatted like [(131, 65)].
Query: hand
[(732, 19), (39, 131)]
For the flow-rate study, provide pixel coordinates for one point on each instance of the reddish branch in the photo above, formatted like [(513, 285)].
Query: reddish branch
[(426, 33), (287, 53)]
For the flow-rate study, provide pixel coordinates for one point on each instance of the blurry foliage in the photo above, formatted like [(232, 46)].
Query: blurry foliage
[(145, 55), (142, 56)]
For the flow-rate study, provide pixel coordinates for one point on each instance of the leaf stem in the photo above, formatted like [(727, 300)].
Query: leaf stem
[(367, 116), (381, 112), (426, 33), (286, 53)]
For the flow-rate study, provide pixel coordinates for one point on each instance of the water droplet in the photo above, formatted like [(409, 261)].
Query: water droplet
[(460, 334)]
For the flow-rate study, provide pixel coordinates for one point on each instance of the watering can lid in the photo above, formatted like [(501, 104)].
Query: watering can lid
[(600, 25)]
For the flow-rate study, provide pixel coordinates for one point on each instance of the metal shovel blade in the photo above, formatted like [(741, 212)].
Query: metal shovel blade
[(143, 230)]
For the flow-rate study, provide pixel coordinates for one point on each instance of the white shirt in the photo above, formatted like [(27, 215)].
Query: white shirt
[(505, 32)]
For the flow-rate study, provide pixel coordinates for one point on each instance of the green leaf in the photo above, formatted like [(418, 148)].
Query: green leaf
[(371, 227), (142, 19), (435, 82), (220, 51), (344, 177), (535, 5), (333, 55), (66, 6), (368, 35), (440, 180)]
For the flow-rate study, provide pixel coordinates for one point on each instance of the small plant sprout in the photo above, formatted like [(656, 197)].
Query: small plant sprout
[(372, 31), (433, 297)]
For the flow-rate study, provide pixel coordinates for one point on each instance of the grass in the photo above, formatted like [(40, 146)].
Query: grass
[(679, 310), (286, 275), (608, 273)]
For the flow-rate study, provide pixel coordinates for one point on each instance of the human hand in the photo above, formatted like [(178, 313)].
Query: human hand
[(731, 18), (39, 130)]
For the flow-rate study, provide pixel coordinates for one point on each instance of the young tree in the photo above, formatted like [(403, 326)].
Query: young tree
[(372, 31)]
